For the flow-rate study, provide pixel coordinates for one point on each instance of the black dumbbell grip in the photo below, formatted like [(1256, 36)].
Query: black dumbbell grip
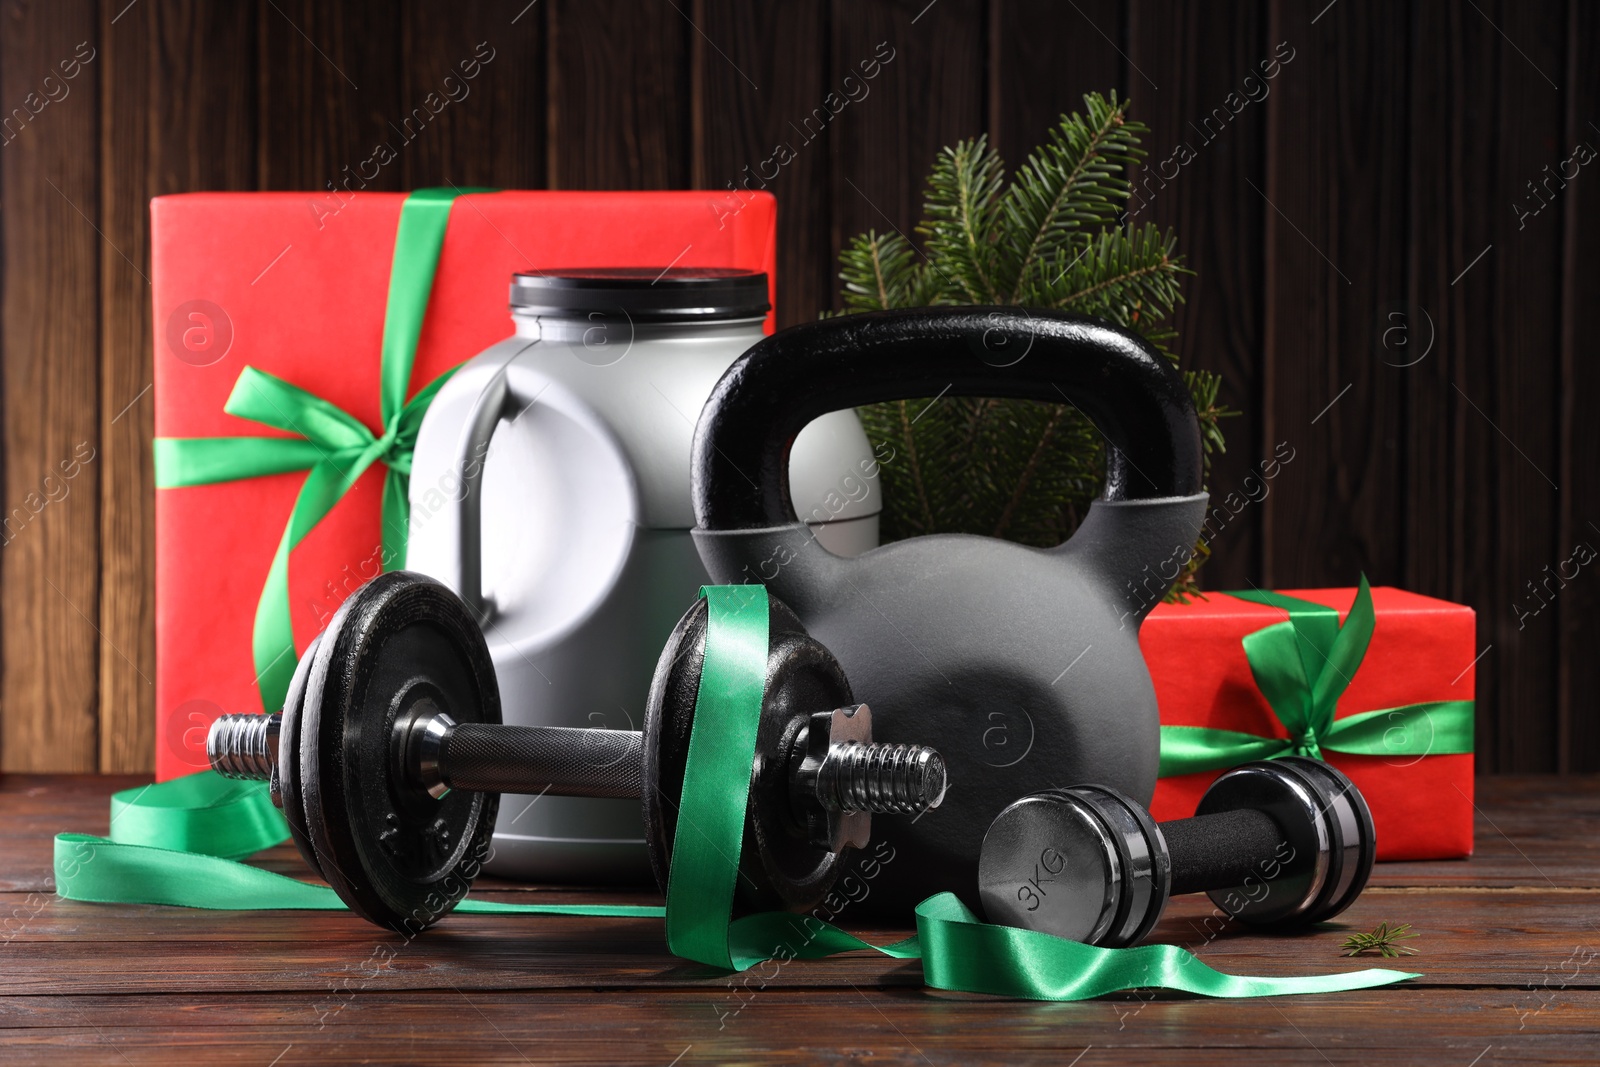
[(1223, 850), (562, 761)]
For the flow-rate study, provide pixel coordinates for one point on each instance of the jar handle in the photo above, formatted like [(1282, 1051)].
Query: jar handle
[(494, 404)]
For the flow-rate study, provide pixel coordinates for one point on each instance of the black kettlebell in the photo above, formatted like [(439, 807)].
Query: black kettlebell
[(1020, 665)]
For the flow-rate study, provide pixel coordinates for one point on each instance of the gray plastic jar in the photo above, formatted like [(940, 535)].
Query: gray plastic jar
[(550, 488)]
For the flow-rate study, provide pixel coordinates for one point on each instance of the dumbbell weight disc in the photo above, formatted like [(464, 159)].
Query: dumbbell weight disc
[(1328, 830), (780, 870), (397, 855), (287, 768)]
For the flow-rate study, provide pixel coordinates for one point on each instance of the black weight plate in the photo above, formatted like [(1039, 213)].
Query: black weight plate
[(396, 855), (779, 870), (289, 792), (668, 718), (782, 869)]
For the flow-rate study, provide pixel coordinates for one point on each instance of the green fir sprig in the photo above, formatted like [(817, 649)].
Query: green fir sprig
[(1051, 237), (1383, 940)]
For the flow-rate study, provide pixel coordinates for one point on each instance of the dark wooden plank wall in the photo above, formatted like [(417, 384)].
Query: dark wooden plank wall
[(1369, 193)]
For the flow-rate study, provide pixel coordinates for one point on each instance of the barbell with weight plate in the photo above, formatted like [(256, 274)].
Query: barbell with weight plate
[(389, 754)]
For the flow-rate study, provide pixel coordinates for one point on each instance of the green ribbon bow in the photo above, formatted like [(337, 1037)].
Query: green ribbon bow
[(1302, 667), (333, 446), (144, 861)]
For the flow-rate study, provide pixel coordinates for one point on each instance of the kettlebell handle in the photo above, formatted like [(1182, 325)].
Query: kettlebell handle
[(1128, 390)]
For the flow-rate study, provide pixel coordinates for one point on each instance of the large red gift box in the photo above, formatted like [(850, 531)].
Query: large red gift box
[(1420, 653), (295, 285)]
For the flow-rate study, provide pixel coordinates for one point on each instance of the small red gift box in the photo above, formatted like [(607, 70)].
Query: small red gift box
[(1249, 675), (265, 301)]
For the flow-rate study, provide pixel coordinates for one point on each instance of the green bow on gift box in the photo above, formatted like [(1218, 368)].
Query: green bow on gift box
[(334, 447), (1302, 666)]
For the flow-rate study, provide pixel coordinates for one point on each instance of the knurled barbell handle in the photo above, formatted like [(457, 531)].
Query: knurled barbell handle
[(560, 760), (1223, 850)]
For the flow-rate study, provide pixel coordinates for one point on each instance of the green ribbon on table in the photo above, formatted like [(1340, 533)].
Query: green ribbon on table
[(958, 952), (173, 842), (334, 447), (107, 871), (1302, 666), (204, 813)]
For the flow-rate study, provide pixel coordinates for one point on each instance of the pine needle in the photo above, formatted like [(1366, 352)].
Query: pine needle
[(1381, 940)]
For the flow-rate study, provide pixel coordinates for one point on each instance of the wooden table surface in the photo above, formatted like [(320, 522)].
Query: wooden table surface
[(1510, 943)]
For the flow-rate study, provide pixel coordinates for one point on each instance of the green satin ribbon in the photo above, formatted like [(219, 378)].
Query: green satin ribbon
[(957, 951), (962, 954), (716, 775), (106, 871), (1302, 667), (333, 446), (204, 813)]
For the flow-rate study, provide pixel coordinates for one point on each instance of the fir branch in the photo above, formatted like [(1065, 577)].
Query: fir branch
[(916, 467), (1204, 387), (1028, 469), (1073, 180), (1119, 269), (882, 287), (881, 271), (963, 207), (1381, 940)]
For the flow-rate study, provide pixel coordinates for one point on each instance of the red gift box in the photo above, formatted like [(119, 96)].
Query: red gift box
[(1420, 653), (296, 285)]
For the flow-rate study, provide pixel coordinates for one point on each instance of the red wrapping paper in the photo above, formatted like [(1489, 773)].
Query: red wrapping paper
[(1421, 650), (295, 284)]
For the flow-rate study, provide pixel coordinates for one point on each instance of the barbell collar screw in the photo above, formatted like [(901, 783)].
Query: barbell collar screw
[(244, 747)]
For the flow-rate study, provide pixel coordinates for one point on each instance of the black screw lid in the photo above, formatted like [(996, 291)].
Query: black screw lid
[(642, 294)]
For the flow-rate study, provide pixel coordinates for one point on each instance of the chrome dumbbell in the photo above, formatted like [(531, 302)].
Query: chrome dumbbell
[(1277, 843)]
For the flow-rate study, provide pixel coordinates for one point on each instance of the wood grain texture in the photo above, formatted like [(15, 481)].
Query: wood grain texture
[(1436, 535), (491, 129), (127, 408), (1335, 252), (1487, 411), (619, 95), (928, 95), (85, 982), (756, 130), (1043, 57), (50, 644), (1578, 670), (330, 93), (1443, 1028), (1197, 181), (181, 119), (556, 952)]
